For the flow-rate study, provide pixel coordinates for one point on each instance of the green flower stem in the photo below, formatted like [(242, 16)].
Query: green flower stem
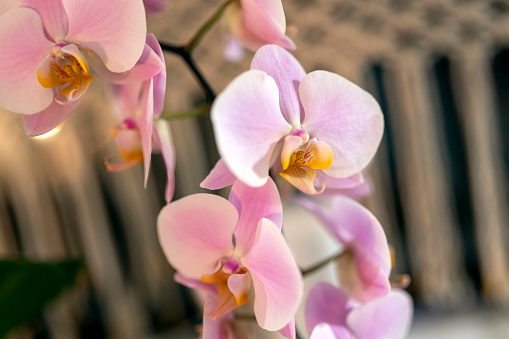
[(322, 263), (196, 112), (191, 45)]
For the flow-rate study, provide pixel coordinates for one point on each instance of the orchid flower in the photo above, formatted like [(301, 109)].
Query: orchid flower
[(48, 47), (196, 232), (155, 6), (330, 314), (138, 98), (255, 23), (365, 267), (323, 128)]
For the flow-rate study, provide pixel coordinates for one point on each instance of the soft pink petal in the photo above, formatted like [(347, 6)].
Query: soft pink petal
[(146, 124), (265, 20), (125, 100), (114, 29), (290, 146), (23, 47), (339, 183), (326, 304), (248, 124), (358, 192), (276, 278), (195, 232), (6, 5), (53, 16), (389, 317), (289, 330), (160, 78), (288, 73), (219, 177), (364, 233), (253, 204), (46, 120), (233, 50), (209, 289), (163, 140), (219, 328), (148, 66), (345, 117), (154, 6), (327, 331), (239, 284)]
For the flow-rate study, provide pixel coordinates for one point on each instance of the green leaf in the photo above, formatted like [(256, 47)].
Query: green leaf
[(26, 287)]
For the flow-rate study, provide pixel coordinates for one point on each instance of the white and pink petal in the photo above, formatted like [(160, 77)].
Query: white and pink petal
[(115, 30), (24, 48), (345, 117), (195, 232), (248, 124), (277, 280)]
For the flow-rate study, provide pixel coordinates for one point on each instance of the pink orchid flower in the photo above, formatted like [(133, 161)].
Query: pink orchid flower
[(258, 22), (196, 232), (330, 314), (47, 49), (323, 128), (365, 267), (138, 98), (155, 6)]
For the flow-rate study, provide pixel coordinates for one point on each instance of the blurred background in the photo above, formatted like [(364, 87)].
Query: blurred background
[(440, 70)]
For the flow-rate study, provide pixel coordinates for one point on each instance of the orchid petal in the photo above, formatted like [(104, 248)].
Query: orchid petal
[(289, 330), (199, 285), (219, 177), (233, 49), (163, 140), (327, 331), (53, 15), (340, 183), (146, 124), (160, 78), (326, 303), (115, 30), (219, 328), (248, 124), (288, 73), (239, 284), (154, 6), (364, 231), (49, 118), (6, 5), (24, 47), (365, 275), (148, 66), (290, 146), (253, 204), (358, 192), (302, 179), (389, 317), (125, 100), (195, 232), (345, 117), (276, 278), (265, 19)]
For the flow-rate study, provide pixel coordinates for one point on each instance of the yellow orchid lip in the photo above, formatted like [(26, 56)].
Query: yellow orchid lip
[(227, 301), (128, 139), (300, 161), (66, 70)]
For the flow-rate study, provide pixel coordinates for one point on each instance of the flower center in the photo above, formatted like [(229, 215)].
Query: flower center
[(128, 139), (301, 157), (65, 70), (232, 286)]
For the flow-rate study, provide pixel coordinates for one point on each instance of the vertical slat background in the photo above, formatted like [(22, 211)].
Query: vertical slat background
[(56, 200)]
